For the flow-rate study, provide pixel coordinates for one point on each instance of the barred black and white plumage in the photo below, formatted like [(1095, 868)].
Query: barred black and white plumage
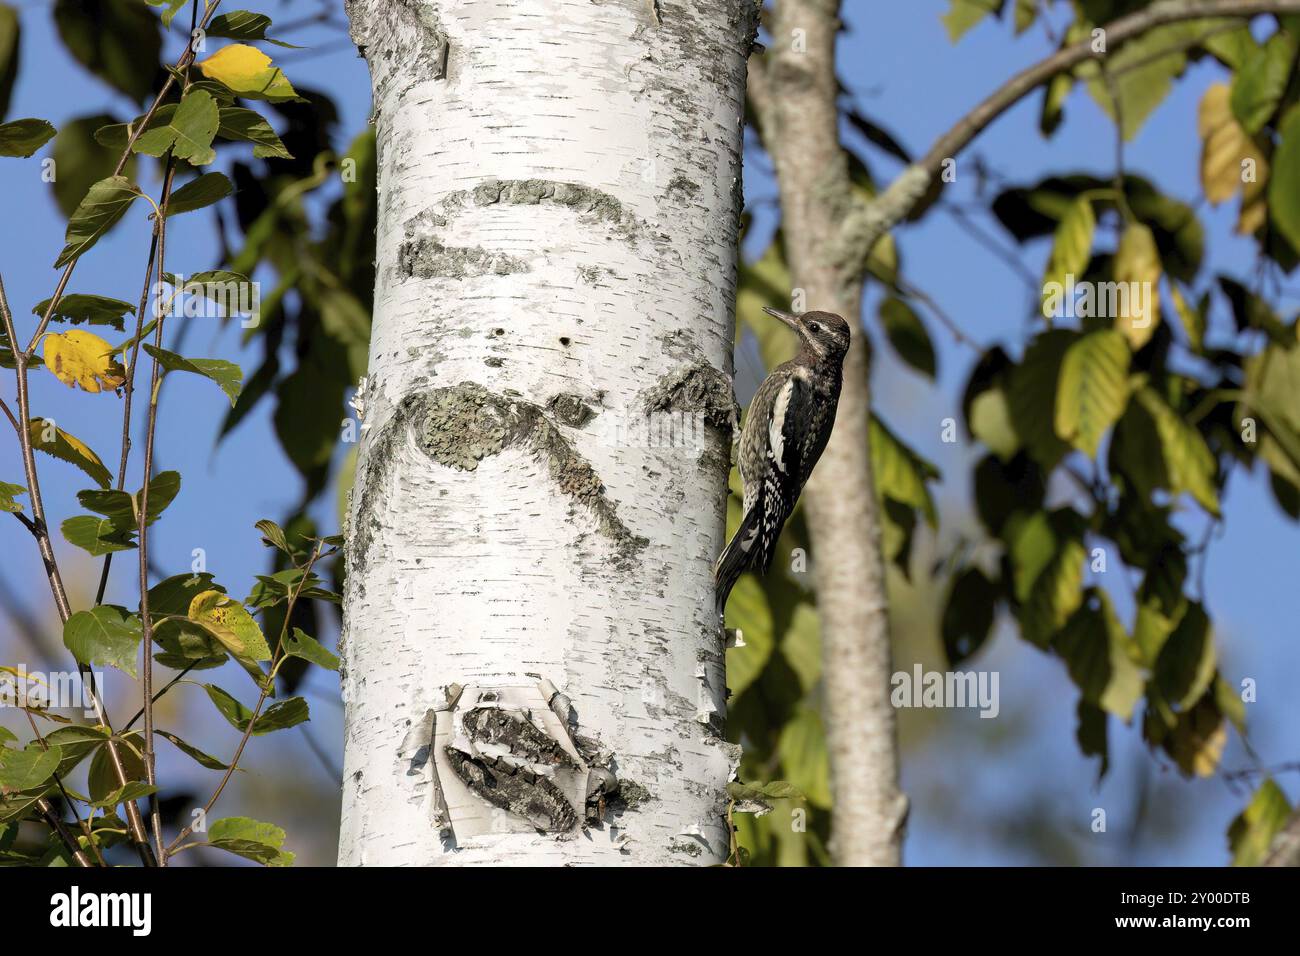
[(786, 429)]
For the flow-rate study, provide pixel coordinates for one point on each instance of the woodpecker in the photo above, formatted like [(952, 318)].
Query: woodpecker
[(786, 430)]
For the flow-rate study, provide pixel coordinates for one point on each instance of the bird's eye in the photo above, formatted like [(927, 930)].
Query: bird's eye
[(815, 327)]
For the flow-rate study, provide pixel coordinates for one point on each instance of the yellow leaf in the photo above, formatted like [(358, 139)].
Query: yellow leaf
[(248, 71), (227, 620), (1138, 268), (1230, 160), (83, 358)]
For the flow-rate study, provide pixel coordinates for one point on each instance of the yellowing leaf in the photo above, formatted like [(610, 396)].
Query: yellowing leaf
[(1137, 263), (228, 621), (248, 71), (1071, 248), (82, 358), (58, 443), (1092, 389), (1230, 160)]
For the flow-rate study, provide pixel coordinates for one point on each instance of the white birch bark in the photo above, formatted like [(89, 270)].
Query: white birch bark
[(558, 211)]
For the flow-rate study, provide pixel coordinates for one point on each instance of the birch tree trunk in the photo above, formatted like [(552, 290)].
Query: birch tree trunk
[(533, 672), (794, 87)]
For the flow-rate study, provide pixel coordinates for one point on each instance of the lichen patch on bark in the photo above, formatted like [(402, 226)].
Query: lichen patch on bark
[(428, 258), (462, 425), (698, 388)]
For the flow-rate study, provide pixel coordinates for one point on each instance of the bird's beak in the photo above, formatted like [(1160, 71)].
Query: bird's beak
[(790, 320)]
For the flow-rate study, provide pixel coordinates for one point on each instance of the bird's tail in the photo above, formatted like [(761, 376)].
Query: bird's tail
[(736, 557)]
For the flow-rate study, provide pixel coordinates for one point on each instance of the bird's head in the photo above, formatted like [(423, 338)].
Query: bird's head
[(822, 335)]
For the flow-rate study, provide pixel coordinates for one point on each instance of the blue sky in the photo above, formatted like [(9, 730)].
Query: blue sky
[(969, 777)]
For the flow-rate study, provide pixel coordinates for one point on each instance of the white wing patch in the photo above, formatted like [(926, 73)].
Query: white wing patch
[(776, 430)]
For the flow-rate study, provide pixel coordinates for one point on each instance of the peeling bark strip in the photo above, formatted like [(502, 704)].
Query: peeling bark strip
[(556, 260)]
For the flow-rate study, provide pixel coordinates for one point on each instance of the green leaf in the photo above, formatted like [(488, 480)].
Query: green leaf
[(25, 136), (105, 203), (907, 335), (805, 761), (93, 309), (117, 40), (173, 7), (250, 839), (243, 25), (104, 635), (76, 742), (1031, 392), (308, 648), (1096, 651), (990, 422), (1251, 834), (115, 136), (1055, 93), (1093, 389), (235, 713), (10, 29), (124, 508), (748, 612), (964, 14), (203, 759), (1055, 595), (97, 536), (134, 790), (1188, 661), (27, 769), (968, 615), (1284, 185), (900, 473), (174, 595), (282, 715), (58, 443), (189, 132), (248, 126), (1188, 464), (773, 790), (1091, 734), (288, 713), (81, 160), (227, 375), (7, 494), (199, 193), (273, 535), (1143, 72), (1071, 250), (101, 778), (1260, 82)]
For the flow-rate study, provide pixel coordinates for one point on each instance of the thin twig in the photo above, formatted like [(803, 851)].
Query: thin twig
[(128, 393), (276, 660), (186, 58), (146, 625), (85, 828), (158, 696), (46, 548)]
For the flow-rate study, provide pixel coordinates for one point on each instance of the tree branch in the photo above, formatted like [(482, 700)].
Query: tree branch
[(868, 220)]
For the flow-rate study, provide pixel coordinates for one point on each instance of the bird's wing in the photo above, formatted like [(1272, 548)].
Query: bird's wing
[(790, 430)]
